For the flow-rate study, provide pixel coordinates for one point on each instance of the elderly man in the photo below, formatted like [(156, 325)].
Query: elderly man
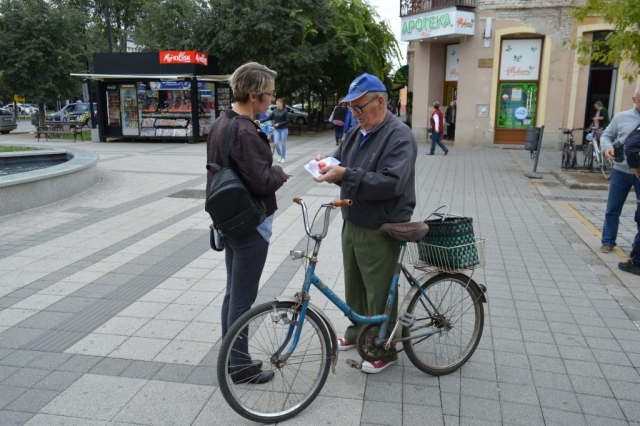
[(377, 172), (632, 152), (622, 176)]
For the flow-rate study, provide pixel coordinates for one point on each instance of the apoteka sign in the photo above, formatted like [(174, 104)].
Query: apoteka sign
[(184, 57), (448, 22)]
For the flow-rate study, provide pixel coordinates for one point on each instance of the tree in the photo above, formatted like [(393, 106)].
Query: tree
[(40, 49), (623, 43)]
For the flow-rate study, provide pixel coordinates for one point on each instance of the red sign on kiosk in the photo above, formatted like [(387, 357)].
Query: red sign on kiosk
[(184, 57)]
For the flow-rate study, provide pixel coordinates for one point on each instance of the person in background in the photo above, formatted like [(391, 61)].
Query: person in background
[(251, 159), (623, 177), (339, 117), (601, 120), (450, 118), (437, 129), (399, 107), (280, 128), (377, 172)]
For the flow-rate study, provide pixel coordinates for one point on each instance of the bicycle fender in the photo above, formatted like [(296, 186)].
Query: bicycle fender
[(327, 323)]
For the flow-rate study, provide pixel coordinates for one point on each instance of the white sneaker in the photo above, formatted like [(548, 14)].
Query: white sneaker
[(282, 160)]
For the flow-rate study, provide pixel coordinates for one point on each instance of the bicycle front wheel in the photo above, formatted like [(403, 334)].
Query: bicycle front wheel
[(457, 324), (266, 332), (588, 158)]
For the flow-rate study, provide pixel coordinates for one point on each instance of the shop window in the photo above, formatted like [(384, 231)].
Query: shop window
[(517, 105)]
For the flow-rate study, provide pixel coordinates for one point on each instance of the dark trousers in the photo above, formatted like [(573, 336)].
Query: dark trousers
[(339, 132), (245, 258), (619, 186), (369, 261), (635, 249), (451, 131)]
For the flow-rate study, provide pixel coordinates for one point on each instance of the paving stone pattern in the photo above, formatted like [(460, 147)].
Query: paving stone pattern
[(110, 307)]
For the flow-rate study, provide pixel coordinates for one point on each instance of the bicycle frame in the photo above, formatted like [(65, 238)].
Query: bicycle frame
[(312, 279)]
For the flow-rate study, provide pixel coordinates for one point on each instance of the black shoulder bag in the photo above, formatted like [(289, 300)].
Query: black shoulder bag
[(233, 210)]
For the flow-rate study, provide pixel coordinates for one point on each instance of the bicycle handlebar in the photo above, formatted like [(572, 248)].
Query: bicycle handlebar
[(330, 206)]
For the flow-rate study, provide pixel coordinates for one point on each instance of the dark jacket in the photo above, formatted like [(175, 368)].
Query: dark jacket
[(249, 156), (279, 117), (380, 175), (340, 113), (449, 117)]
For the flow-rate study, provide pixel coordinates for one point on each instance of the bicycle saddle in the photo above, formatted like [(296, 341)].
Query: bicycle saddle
[(406, 232)]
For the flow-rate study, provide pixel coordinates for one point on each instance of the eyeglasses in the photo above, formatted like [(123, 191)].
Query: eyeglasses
[(359, 109), (272, 94)]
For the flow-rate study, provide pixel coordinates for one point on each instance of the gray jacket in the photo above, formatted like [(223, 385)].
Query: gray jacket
[(380, 175), (620, 127)]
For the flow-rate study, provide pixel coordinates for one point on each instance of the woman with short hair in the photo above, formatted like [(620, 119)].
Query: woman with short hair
[(250, 157)]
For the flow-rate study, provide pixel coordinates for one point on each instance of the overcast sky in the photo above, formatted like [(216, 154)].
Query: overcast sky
[(390, 10)]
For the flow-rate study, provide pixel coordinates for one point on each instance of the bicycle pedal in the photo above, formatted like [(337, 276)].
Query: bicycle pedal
[(407, 319), (354, 364)]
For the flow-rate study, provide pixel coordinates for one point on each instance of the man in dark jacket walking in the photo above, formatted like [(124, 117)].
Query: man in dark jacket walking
[(437, 129), (377, 172), (450, 119)]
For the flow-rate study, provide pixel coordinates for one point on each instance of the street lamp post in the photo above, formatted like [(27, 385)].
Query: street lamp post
[(86, 57)]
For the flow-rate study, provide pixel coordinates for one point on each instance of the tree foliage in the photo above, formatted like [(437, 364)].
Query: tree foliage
[(40, 48), (622, 44)]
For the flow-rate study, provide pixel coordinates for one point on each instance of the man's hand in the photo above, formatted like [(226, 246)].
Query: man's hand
[(330, 174), (637, 172), (609, 153), (319, 157)]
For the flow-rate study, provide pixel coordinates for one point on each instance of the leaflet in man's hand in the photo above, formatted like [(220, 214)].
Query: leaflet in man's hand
[(313, 166)]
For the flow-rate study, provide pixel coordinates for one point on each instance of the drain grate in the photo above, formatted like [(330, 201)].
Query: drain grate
[(198, 194)]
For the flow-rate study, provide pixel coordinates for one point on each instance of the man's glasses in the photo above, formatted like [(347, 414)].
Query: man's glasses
[(272, 94), (359, 109)]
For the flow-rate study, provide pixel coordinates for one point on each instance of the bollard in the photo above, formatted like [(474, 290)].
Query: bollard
[(534, 174)]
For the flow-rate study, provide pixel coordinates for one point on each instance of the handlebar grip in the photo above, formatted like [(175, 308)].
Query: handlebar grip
[(297, 200), (342, 203)]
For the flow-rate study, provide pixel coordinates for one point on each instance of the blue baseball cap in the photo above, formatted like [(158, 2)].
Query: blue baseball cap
[(363, 84)]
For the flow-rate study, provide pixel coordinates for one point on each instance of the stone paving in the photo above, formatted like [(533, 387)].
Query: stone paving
[(110, 303)]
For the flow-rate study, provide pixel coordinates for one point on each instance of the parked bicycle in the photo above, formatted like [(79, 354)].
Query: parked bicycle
[(569, 153), (594, 158), (440, 325)]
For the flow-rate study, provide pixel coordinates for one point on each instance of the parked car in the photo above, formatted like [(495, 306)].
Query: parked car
[(7, 121), (295, 115), (75, 112), (21, 109)]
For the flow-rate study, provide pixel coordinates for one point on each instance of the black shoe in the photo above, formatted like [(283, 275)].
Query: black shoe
[(629, 267), (428, 153), (446, 152), (256, 362), (252, 375)]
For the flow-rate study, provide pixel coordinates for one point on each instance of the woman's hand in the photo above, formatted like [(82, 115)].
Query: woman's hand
[(275, 125), (319, 157), (286, 176)]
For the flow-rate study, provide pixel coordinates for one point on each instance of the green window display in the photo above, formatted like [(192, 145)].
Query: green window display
[(517, 105)]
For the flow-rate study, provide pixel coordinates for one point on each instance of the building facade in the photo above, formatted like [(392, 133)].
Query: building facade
[(508, 65)]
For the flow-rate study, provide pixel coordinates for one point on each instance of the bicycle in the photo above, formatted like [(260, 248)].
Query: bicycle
[(594, 157), (267, 128), (440, 325), (569, 160)]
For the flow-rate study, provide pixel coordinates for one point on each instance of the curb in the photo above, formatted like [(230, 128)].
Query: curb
[(574, 184)]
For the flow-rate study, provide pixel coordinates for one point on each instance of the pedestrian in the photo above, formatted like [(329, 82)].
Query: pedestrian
[(399, 107), (338, 118), (632, 152), (377, 172), (622, 176), (250, 158), (437, 130), (280, 128), (601, 119), (450, 118)]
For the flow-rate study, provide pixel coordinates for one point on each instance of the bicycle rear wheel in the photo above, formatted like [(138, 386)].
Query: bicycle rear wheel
[(295, 383), (458, 324), (588, 158)]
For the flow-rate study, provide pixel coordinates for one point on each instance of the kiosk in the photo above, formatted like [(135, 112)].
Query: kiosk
[(169, 95)]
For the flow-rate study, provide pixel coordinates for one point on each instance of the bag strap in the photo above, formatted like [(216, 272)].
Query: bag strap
[(227, 138)]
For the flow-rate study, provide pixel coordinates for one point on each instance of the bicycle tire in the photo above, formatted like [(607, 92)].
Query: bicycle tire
[(588, 158), (563, 165), (434, 292), (606, 166), (573, 159), (280, 396)]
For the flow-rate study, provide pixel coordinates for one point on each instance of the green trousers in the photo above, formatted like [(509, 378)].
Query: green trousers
[(369, 261)]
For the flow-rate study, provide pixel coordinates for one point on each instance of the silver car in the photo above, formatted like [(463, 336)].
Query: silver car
[(7, 121), (295, 116)]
